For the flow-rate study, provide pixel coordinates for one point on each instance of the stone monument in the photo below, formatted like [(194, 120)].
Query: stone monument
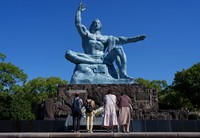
[(95, 65), (95, 74)]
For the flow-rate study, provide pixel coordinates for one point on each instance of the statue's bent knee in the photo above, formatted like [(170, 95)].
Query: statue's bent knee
[(69, 55)]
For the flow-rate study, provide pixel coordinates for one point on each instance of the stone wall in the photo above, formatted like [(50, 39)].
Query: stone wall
[(144, 101), (142, 98)]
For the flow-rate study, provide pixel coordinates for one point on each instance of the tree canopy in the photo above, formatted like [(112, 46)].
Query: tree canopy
[(2, 56), (19, 98), (10, 75), (187, 82)]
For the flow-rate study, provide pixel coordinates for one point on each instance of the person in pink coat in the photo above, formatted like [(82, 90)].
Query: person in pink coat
[(110, 117)]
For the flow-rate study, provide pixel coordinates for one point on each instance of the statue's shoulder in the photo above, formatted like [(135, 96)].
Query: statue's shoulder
[(104, 36)]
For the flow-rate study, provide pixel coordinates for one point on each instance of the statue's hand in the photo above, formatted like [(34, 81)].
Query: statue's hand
[(141, 37), (81, 7), (137, 38)]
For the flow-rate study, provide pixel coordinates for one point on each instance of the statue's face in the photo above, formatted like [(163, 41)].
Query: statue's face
[(95, 26)]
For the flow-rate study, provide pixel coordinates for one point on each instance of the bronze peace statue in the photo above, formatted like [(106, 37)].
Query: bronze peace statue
[(95, 65)]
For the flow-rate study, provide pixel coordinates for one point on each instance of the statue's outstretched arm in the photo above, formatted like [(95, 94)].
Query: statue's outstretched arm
[(124, 40), (80, 27)]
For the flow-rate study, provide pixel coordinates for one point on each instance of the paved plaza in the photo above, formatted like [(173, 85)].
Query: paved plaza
[(100, 135)]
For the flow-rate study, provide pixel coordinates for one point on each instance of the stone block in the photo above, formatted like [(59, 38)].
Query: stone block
[(96, 74)]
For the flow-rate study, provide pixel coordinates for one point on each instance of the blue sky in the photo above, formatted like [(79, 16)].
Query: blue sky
[(35, 34)]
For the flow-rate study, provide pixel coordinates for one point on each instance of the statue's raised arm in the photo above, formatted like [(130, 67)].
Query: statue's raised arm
[(80, 27)]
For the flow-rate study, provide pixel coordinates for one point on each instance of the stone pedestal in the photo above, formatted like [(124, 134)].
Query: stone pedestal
[(145, 102)]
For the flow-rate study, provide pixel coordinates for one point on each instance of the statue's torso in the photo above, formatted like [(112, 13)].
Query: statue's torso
[(94, 44)]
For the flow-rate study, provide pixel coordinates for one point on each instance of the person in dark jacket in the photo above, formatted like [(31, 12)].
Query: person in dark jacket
[(77, 103)]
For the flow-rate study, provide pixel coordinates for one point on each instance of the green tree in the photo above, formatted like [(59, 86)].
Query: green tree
[(42, 88), (2, 56), (21, 108), (5, 102), (20, 105), (13, 101), (10, 75), (154, 84), (187, 82), (170, 99), (18, 99)]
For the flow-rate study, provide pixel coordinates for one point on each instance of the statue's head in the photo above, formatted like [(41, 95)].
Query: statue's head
[(95, 26)]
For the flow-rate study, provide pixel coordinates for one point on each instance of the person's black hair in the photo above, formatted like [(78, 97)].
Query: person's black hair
[(89, 96), (76, 94), (109, 92), (122, 93)]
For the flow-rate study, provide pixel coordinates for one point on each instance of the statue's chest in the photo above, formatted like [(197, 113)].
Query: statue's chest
[(96, 45)]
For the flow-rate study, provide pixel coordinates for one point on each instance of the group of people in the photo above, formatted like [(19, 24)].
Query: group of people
[(111, 119), (89, 106)]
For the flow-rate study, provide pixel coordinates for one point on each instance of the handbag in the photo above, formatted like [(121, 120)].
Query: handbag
[(116, 107), (131, 108)]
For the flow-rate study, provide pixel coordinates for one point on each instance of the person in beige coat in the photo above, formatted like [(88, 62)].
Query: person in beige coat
[(124, 118)]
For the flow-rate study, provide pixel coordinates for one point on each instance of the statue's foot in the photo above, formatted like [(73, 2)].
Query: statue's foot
[(107, 63), (125, 76), (98, 61)]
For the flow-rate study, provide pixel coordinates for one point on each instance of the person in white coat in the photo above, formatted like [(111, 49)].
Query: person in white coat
[(110, 116)]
